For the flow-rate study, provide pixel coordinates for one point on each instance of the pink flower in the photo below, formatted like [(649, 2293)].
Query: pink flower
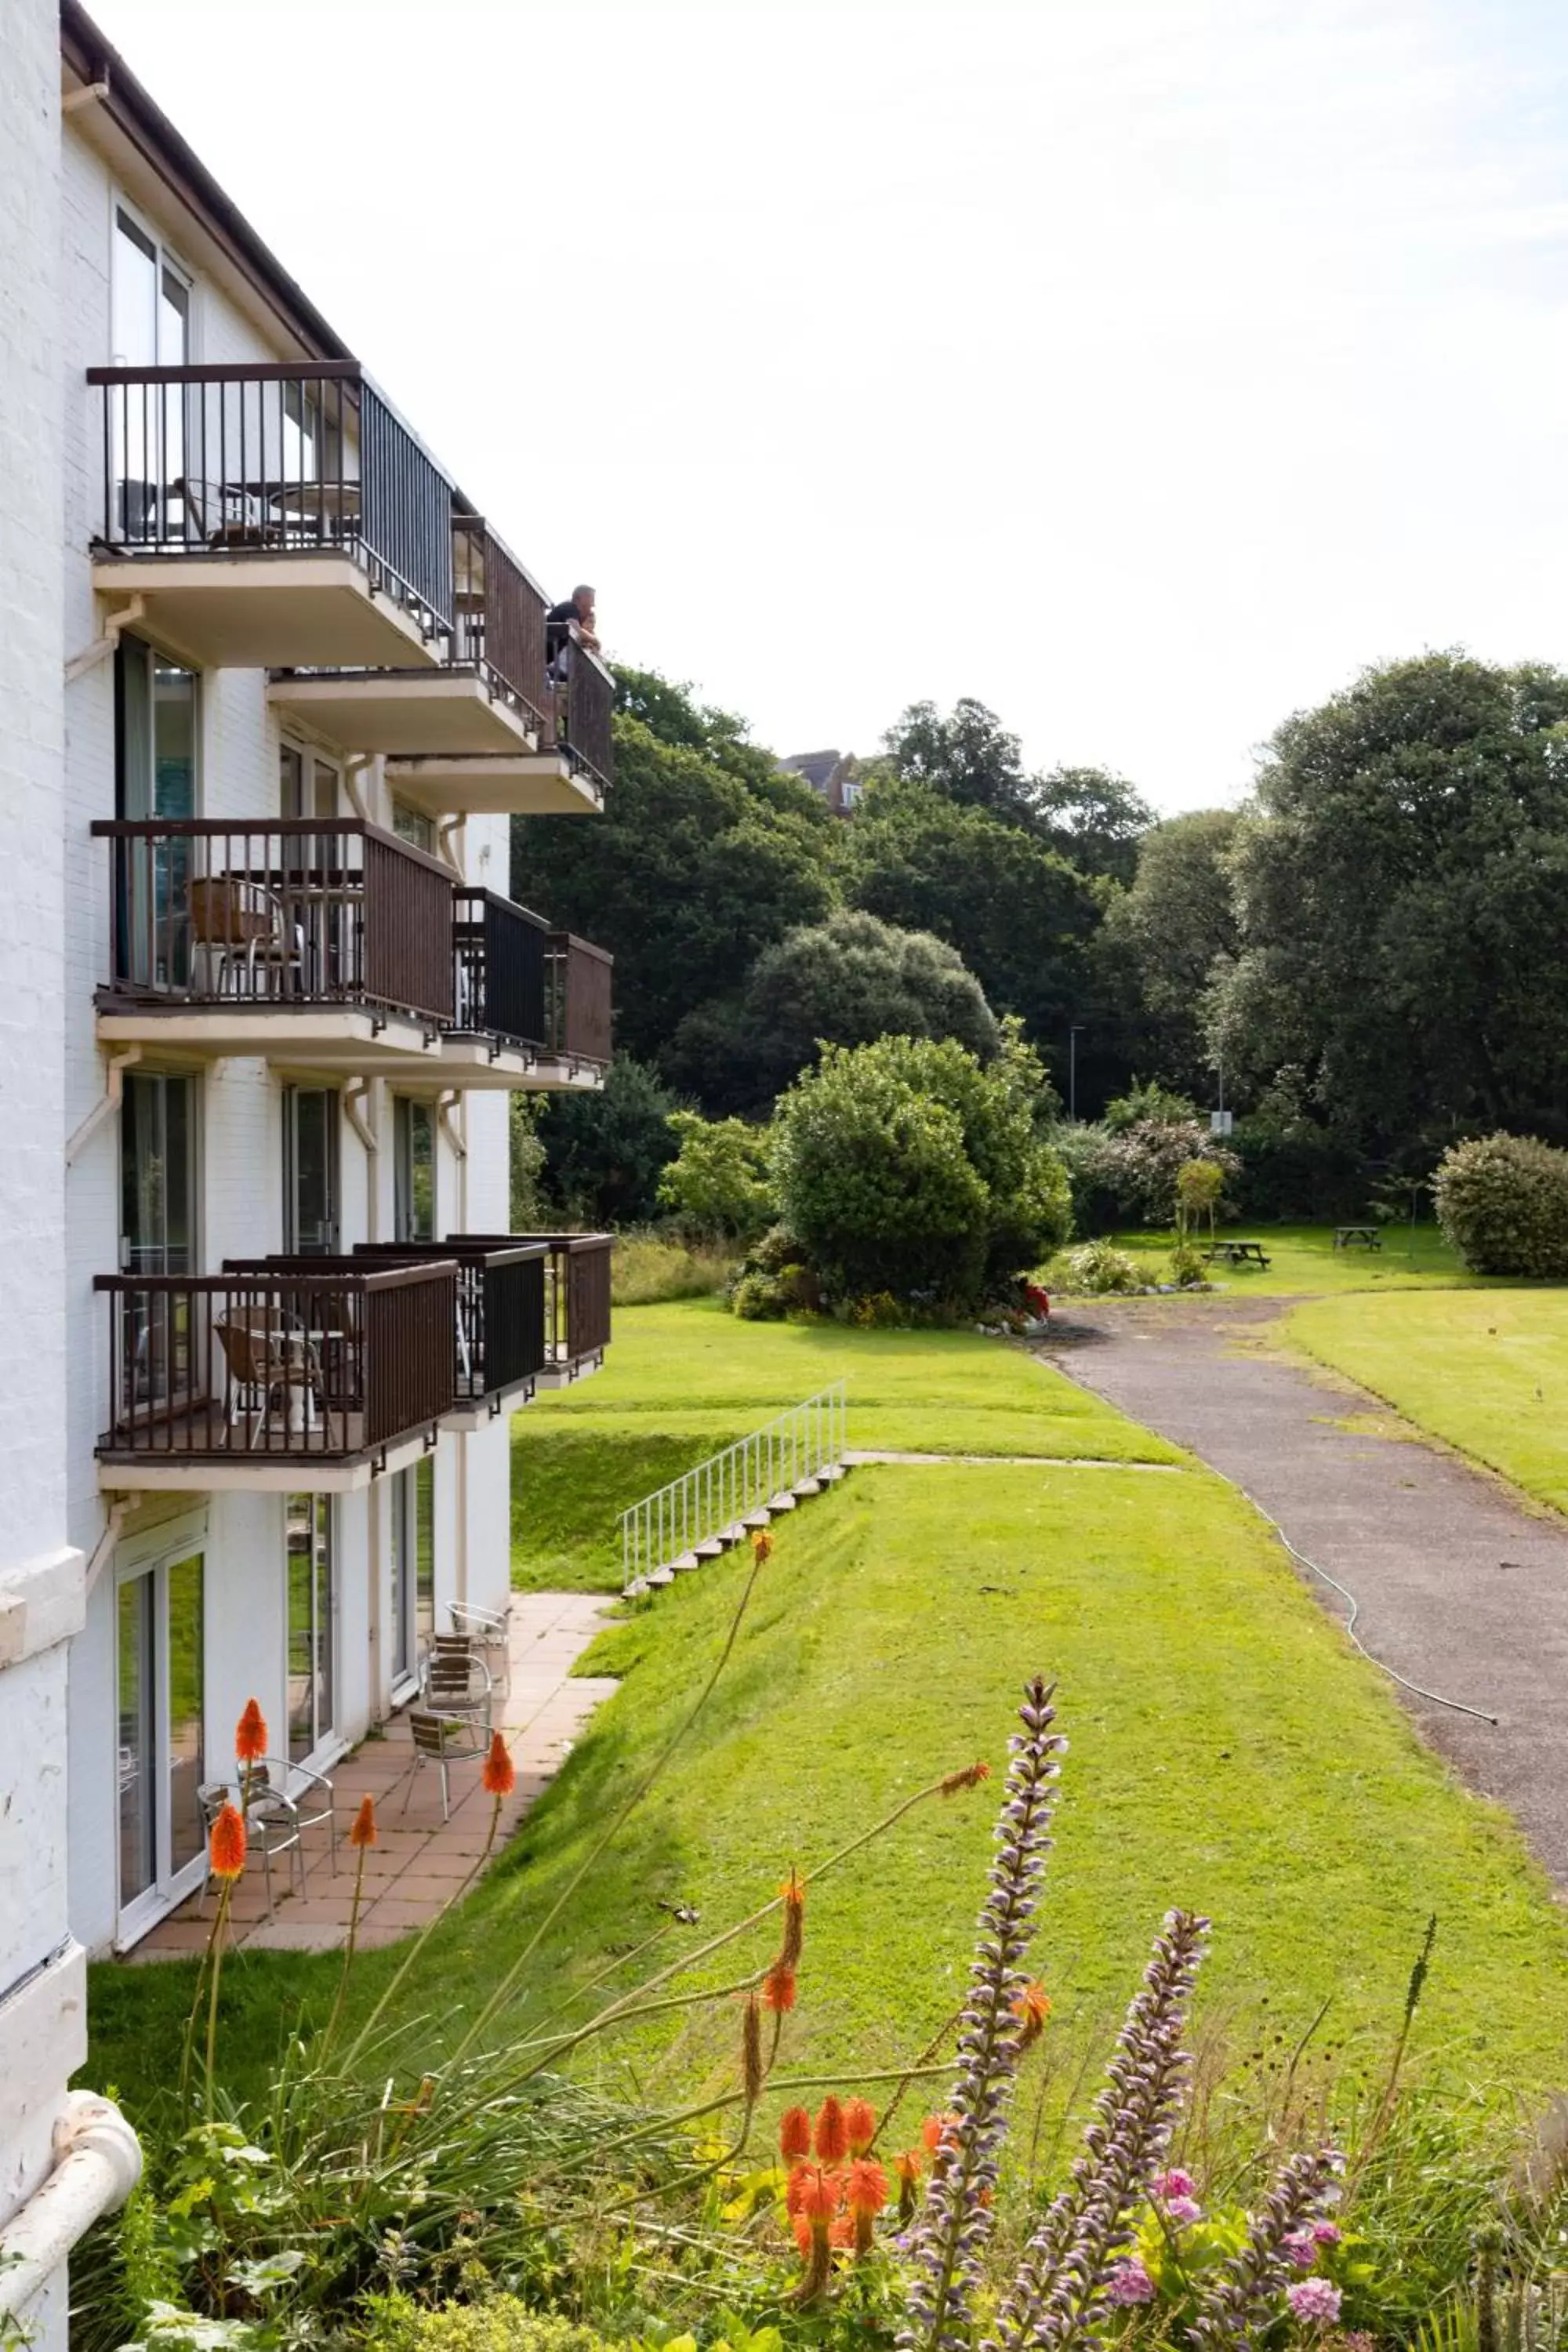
[(1327, 2233), (1181, 2210), (1131, 2282), (1301, 2246), (1313, 2298), (1173, 2184)]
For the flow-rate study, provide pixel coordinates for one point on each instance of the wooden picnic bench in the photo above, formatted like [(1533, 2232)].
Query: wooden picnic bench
[(1357, 1237), (1238, 1254)]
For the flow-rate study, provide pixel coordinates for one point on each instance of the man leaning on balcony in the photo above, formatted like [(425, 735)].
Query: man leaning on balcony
[(568, 625)]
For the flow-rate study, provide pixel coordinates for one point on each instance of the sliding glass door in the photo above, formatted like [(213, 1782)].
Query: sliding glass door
[(160, 1680), (312, 1615), (413, 1568)]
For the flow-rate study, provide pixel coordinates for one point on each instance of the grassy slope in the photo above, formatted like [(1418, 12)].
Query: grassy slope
[(683, 1380), (1487, 1370), (1303, 1259), (1226, 1752)]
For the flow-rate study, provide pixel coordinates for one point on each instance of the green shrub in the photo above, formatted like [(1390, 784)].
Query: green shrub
[(1187, 1268), (1502, 1203), (907, 1168), (1129, 1179), (759, 1298), (646, 1269), (501, 2324), (1100, 1269), (719, 1181), (605, 1147)]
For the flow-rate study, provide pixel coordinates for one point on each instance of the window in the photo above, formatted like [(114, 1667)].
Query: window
[(310, 1225), (413, 1169), (412, 824), (312, 1600), (160, 1669), (307, 785), (413, 1567), (158, 1173), (156, 710), (149, 326)]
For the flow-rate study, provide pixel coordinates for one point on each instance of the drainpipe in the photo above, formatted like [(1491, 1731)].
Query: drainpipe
[(462, 1503), (108, 1102), (98, 2162), (103, 646), (356, 1093), (351, 774), (90, 94), (118, 1511), (444, 1108), (454, 824)]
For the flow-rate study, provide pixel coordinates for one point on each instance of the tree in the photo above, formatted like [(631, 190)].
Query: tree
[(849, 980), (908, 1166), (719, 1182), (967, 757), (1093, 819), (1164, 937), (1399, 898), (703, 855), (1019, 915), (604, 1151)]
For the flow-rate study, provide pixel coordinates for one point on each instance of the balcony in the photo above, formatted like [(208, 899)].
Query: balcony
[(499, 1329), (320, 940), (564, 771), (576, 1298), (532, 1005), (268, 516), (321, 1372)]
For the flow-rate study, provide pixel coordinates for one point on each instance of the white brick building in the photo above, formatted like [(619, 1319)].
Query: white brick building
[(270, 688)]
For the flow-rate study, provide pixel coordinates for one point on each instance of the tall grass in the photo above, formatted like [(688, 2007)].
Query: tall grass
[(648, 1268)]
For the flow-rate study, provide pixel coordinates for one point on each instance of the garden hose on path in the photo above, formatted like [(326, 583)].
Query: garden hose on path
[(1417, 1689)]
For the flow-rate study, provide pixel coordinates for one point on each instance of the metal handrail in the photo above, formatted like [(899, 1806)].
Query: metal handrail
[(716, 1499)]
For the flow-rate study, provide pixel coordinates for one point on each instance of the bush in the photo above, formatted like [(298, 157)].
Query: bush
[(1502, 1203), (1129, 1179), (501, 2324), (604, 1151), (719, 1181), (1187, 1269), (1100, 1269), (646, 1269), (906, 1168), (759, 1298)]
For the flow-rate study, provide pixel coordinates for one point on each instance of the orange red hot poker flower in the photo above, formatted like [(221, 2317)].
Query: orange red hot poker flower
[(363, 1831), (498, 1776), (859, 2123), (793, 1894), (794, 2135), (251, 1734), (832, 2135), (226, 1847), (778, 1988)]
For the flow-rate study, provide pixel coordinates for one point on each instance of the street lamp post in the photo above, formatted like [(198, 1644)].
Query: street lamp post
[(1073, 1036)]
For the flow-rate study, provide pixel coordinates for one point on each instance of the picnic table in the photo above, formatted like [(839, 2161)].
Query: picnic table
[(1357, 1237), (1238, 1254)]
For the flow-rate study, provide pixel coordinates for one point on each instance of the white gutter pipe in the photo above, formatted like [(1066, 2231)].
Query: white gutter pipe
[(103, 646), (108, 1101), (118, 1511), (98, 2162), (356, 1099)]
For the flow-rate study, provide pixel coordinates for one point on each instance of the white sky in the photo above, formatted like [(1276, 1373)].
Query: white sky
[(1144, 370)]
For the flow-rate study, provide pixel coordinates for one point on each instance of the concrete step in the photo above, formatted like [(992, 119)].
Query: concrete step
[(661, 1576), (635, 1590), (757, 1521), (685, 1560), (804, 1488), (832, 1472), (711, 1548), (783, 1501)]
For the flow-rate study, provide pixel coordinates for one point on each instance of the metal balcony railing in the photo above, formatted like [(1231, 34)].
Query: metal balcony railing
[(298, 911), (584, 708), (302, 1360), (579, 1013), (501, 1311), (576, 1293), (274, 459), (500, 620)]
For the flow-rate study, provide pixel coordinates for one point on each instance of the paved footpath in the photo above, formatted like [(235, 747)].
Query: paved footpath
[(1462, 1588)]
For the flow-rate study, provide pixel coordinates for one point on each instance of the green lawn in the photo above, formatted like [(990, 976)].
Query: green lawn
[(1303, 1259), (680, 1382), (1227, 1752), (1488, 1371)]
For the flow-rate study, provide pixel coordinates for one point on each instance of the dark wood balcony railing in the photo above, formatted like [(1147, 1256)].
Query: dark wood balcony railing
[(500, 620), (499, 1327), (580, 977), (299, 912), (584, 708), (274, 459), (576, 1292), (318, 1359), (499, 952)]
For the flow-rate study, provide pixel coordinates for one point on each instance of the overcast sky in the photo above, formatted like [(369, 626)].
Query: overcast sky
[(1144, 370)]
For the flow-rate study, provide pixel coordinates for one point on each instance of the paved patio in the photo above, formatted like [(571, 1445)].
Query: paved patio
[(419, 1861)]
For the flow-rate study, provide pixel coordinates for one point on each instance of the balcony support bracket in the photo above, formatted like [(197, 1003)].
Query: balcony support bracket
[(107, 1103)]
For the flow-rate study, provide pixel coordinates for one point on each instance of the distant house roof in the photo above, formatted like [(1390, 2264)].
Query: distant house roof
[(831, 775)]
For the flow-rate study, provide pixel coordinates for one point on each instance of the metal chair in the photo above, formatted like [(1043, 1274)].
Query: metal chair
[(313, 1805), (238, 927), (271, 1827), (444, 1740), (456, 1681), (488, 1630)]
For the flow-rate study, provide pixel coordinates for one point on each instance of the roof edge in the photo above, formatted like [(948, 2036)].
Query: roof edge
[(92, 57)]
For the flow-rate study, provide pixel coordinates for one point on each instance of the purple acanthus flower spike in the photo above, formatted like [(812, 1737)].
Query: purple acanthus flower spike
[(1069, 2271), (1243, 2297), (946, 2244)]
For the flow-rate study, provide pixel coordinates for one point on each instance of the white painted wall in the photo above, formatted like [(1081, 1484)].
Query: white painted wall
[(42, 2018)]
